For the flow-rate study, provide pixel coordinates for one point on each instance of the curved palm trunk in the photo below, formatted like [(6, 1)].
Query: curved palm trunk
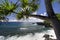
[(53, 18)]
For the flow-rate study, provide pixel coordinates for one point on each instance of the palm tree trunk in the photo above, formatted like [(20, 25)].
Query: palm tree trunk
[(39, 16), (53, 18)]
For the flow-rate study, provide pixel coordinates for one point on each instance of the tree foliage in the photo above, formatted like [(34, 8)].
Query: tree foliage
[(48, 23), (6, 8), (27, 7), (58, 16)]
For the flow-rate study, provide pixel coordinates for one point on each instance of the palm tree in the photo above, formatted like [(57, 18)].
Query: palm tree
[(51, 16), (28, 7), (6, 8), (54, 20)]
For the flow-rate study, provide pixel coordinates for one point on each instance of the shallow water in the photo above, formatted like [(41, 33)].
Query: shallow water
[(30, 36), (24, 32)]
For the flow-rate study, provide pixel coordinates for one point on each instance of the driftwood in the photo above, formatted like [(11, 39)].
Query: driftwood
[(47, 37)]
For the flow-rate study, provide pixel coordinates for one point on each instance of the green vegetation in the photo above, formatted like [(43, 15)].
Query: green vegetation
[(6, 8), (25, 7), (58, 16), (48, 23)]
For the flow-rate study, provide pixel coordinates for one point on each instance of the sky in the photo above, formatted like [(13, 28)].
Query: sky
[(41, 9)]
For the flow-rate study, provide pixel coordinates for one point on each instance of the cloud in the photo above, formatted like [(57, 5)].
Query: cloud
[(44, 14), (30, 19), (34, 13)]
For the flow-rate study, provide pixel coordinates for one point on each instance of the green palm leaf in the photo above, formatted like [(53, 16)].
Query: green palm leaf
[(28, 6), (6, 8), (19, 15)]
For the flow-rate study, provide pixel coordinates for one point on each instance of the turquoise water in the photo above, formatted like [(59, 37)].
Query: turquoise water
[(10, 24), (18, 28), (21, 31)]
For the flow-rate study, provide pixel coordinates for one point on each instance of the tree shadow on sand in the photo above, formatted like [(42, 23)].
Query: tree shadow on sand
[(16, 31)]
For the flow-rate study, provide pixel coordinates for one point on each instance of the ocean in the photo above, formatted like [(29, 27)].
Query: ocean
[(24, 31)]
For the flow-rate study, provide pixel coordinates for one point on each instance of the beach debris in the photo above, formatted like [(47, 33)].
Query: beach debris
[(47, 37)]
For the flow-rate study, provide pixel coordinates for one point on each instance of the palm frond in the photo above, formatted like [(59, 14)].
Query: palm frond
[(8, 7), (19, 15)]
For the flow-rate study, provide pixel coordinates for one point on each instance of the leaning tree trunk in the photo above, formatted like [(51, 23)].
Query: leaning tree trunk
[(53, 18)]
